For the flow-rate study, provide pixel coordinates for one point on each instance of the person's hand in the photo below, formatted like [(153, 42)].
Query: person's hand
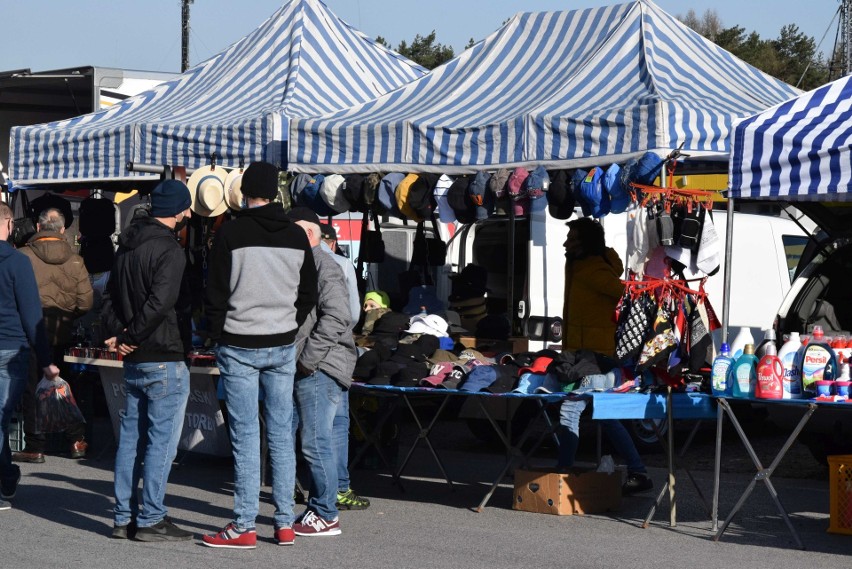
[(51, 372), (125, 349), (303, 370), (110, 343)]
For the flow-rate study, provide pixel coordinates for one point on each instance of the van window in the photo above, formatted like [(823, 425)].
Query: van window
[(794, 246)]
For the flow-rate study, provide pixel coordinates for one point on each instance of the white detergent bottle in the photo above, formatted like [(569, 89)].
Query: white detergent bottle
[(743, 337), (817, 361), (792, 372)]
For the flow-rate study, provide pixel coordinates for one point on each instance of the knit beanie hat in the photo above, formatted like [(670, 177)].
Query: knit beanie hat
[(169, 198), (260, 180), (379, 297)]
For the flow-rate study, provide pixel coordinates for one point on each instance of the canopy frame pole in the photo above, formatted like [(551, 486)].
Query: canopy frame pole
[(729, 249)]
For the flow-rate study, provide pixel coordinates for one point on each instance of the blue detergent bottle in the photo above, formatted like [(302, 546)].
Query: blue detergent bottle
[(744, 373), (719, 384)]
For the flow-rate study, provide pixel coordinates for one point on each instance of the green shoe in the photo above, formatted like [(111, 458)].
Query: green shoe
[(349, 500)]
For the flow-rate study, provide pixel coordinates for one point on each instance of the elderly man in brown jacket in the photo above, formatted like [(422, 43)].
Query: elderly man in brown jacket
[(66, 294)]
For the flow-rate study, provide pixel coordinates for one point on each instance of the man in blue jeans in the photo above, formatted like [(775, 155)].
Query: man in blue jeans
[(261, 287), (139, 310), (21, 326), (326, 360), (346, 497)]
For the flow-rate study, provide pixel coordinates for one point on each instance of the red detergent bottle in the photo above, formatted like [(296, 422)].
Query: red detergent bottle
[(770, 375)]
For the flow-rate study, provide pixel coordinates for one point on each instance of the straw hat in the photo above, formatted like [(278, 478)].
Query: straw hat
[(207, 188), (233, 189)]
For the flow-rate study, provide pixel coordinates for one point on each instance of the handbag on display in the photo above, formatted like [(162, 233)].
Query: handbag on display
[(633, 325), (24, 227), (663, 341)]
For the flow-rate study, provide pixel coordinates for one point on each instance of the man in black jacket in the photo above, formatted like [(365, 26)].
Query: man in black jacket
[(261, 287), (139, 308)]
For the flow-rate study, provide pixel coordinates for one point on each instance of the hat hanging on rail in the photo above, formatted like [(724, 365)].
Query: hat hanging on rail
[(207, 189)]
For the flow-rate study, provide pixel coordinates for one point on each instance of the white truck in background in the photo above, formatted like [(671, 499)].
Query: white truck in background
[(765, 255), (28, 97)]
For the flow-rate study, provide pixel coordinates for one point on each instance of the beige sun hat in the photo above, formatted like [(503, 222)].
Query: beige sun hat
[(207, 188), (233, 189)]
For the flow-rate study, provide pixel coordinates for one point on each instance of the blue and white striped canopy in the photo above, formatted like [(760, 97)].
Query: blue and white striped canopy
[(798, 150), (302, 62), (551, 88)]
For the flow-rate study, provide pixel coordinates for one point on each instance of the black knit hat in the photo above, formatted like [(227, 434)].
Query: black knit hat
[(260, 180)]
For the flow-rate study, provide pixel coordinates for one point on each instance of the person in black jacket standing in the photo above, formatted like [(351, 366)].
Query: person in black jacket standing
[(261, 287), (139, 309)]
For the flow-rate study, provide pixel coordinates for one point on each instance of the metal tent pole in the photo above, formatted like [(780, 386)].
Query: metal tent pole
[(729, 248)]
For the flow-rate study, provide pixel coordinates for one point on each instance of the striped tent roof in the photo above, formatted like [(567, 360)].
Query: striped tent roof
[(301, 62), (552, 88), (798, 150)]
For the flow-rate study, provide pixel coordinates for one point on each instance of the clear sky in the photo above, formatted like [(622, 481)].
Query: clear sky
[(145, 34)]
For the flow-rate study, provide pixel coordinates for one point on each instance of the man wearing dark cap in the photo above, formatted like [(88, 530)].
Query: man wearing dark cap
[(326, 360), (139, 311), (261, 287)]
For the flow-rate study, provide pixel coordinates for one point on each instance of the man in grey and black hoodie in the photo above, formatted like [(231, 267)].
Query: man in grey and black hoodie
[(261, 287)]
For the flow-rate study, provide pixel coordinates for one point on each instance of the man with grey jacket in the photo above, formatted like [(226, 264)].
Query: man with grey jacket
[(325, 362)]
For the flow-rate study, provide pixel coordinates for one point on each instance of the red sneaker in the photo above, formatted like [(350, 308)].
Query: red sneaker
[(232, 538), (312, 525), (285, 536)]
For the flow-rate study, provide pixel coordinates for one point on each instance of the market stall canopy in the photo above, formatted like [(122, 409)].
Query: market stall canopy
[(798, 150), (559, 89), (302, 62)]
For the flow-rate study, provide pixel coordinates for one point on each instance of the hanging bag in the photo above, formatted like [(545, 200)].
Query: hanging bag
[(372, 245), (24, 227), (436, 255), (663, 341), (633, 325), (56, 408)]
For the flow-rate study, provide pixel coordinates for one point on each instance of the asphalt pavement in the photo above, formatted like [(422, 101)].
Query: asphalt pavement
[(61, 517)]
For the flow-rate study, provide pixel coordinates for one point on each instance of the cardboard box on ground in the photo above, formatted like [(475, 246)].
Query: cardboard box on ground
[(548, 492)]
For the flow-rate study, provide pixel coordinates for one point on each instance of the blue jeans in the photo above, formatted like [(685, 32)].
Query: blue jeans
[(340, 438), (318, 397), (244, 372), (150, 429), (14, 370), (568, 434)]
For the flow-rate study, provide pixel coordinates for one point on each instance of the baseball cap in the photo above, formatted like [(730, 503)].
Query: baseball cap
[(302, 213), (539, 365), (437, 374), (479, 378), (327, 231), (454, 378), (505, 381), (538, 383), (428, 324)]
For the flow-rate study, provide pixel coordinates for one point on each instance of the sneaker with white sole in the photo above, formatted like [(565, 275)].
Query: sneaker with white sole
[(312, 525), (232, 537), (349, 500), (285, 536)]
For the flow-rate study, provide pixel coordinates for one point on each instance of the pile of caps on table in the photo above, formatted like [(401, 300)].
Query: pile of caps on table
[(416, 351)]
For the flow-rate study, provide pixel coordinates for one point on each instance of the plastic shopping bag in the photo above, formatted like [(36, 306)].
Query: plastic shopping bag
[(56, 409)]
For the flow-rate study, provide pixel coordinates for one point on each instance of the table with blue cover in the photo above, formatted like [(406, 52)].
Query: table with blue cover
[(668, 406), (763, 474), (405, 396)]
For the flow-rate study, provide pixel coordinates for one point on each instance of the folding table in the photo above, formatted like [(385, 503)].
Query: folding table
[(808, 407), (667, 406), (405, 396)]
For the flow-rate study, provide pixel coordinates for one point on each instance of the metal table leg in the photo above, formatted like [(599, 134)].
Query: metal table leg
[(373, 438), (764, 474), (423, 435)]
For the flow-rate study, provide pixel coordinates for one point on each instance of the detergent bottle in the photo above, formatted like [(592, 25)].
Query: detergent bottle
[(719, 376), (770, 375), (817, 362), (743, 337), (792, 372), (768, 338), (744, 373)]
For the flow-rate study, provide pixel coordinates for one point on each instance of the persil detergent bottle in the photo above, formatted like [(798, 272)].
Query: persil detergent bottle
[(792, 372), (744, 373), (817, 361), (770, 375), (719, 377)]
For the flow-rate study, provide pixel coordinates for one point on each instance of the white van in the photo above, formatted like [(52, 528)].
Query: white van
[(765, 256)]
